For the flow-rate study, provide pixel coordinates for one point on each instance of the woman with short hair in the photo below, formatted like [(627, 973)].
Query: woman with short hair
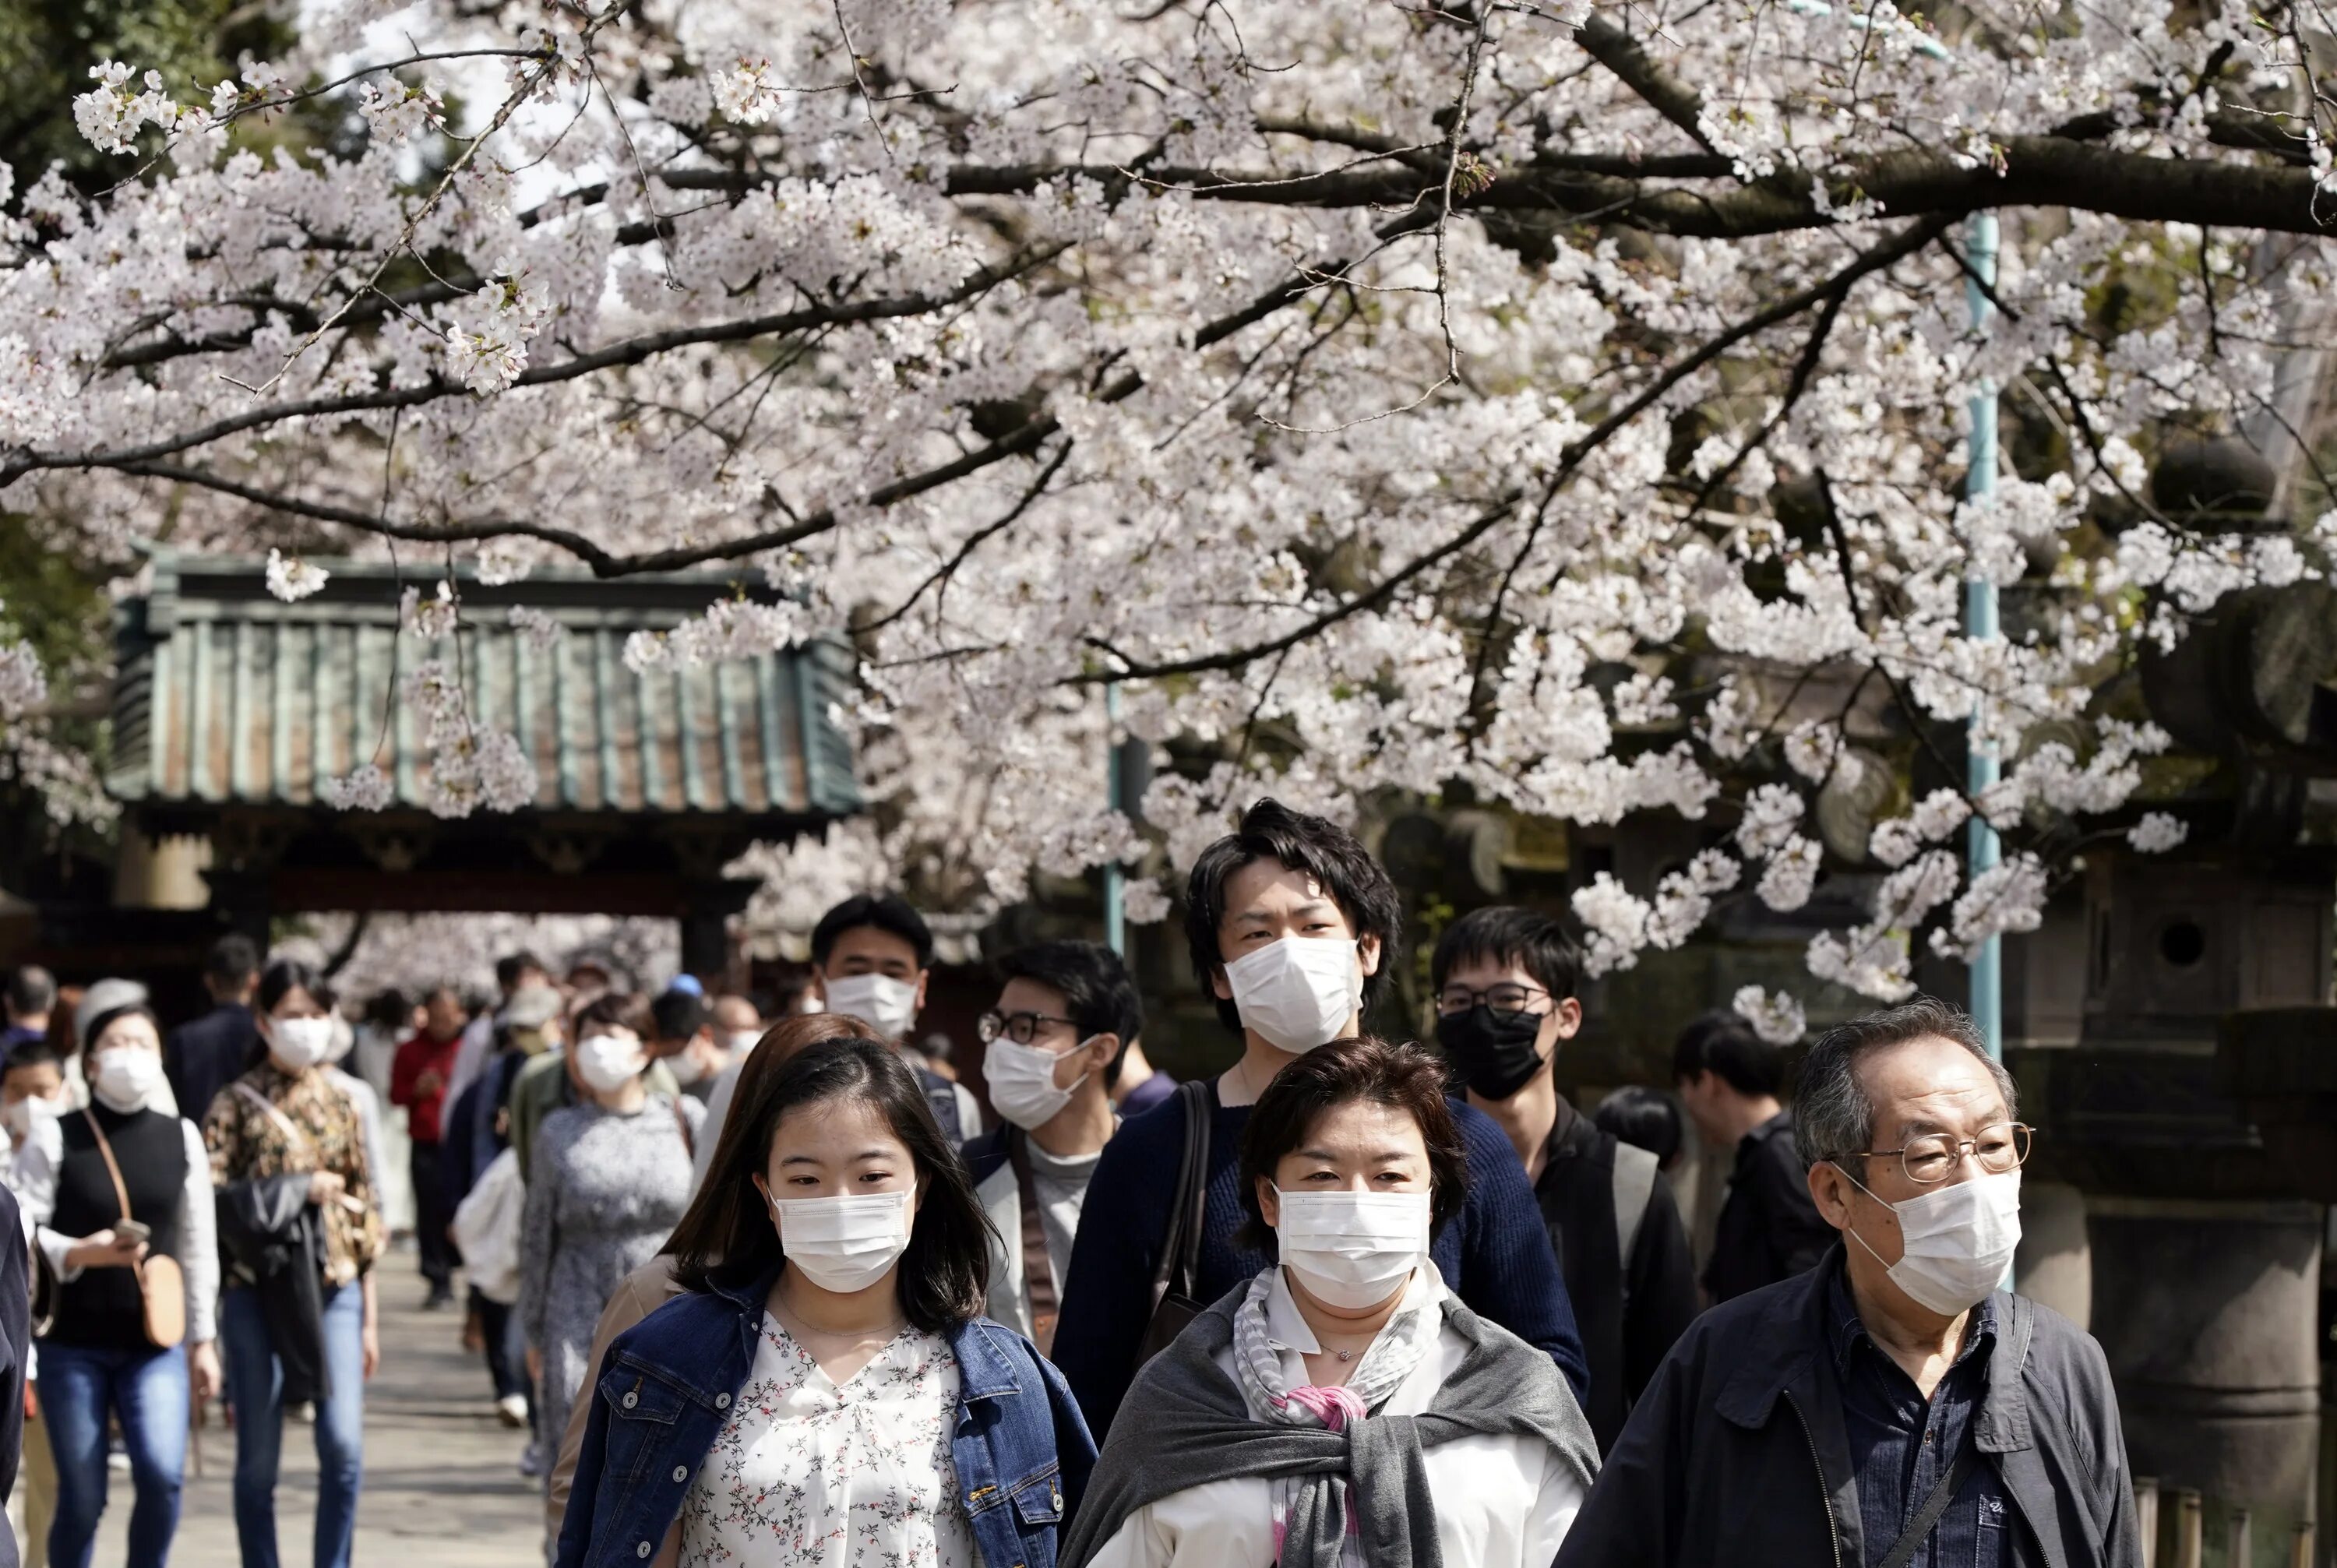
[(1342, 1407), (826, 1389)]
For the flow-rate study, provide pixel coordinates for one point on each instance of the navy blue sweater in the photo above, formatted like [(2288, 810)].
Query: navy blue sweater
[(1496, 1254)]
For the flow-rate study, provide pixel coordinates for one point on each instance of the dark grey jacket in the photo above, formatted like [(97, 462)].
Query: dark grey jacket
[(1737, 1453)]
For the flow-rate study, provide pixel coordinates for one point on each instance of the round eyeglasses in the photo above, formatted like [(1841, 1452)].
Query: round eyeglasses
[(1507, 997), (1932, 1158), (1020, 1027)]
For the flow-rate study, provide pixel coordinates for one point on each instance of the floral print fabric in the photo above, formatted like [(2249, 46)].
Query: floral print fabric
[(860, 1475), (315, 1127)]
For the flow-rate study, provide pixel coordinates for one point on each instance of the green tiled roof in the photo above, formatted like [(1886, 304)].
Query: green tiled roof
[(225, 694)]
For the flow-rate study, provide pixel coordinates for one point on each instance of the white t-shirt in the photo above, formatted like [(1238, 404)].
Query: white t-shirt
[(1500, 1501), (1062, 1188)]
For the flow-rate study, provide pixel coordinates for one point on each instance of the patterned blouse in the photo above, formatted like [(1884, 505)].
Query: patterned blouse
[(318, 1128), (809, 1473)]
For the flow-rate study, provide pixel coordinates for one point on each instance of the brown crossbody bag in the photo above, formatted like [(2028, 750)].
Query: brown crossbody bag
[(162, 1284)]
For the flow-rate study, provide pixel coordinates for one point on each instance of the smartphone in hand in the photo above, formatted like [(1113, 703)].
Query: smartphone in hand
[(134, 1231)]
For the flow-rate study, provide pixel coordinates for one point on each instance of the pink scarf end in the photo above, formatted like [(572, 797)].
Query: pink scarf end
[(1335, 1407)]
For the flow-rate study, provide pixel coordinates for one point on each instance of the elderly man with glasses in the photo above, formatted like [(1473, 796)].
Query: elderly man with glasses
[(1893, 1407)]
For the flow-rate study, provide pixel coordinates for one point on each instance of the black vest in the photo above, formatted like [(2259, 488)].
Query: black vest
[(103, 1308)]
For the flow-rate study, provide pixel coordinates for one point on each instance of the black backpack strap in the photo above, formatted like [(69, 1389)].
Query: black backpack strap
[(941, 1095), (1927, 1518)]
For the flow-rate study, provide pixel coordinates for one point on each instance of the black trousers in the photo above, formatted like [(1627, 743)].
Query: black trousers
[(507, 1348), (431, 1216)]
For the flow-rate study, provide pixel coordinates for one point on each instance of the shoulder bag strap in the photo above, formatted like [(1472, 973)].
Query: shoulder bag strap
[(1193, 1187), (1635, 1184), (1037, 1268), (275, 1112), (1927, 1517), (688, 1143), (120, 1192)]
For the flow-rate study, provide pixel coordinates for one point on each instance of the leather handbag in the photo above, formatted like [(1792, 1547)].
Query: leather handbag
[(1176, 1284), (162, 1284)]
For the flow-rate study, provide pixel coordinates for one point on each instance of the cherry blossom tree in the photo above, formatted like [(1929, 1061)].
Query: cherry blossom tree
[(1392, 397)]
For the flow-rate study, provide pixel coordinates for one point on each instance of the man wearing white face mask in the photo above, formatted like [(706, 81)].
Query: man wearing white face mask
[(1893, 1404), (1050, 1050), (1288, 920), (870, 957)]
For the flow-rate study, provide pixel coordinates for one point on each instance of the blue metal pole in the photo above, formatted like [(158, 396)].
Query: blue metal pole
[(1115, 884), (1981, 767)]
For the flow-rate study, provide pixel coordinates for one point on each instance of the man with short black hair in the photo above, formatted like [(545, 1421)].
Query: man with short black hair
[(872, 956), (685, 1041), (1892, 1406), (1290, 922), (1504, 981), (514, 973), (1051, 1048), (31, 993), (203, 1057), (1767, 1230)]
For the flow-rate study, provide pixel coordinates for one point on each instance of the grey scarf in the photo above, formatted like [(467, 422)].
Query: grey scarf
[(1184, 1424)]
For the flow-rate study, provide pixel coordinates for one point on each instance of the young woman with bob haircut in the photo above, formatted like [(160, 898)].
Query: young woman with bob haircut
[(826, 1389), (1342, 1407)]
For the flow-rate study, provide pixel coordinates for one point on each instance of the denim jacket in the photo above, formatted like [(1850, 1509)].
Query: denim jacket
[(1020, 1448)]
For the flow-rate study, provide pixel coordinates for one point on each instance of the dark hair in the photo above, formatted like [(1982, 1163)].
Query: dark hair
[(1504, 934), (1833, 1117), (1643, 1118), (389, 1010), (885, 912), (1725, 1044), (1097, 991), (729, 1233), (1402, 1077), (30, 989), (34, 1053), (619, 1010), (286, 976), (233, 961), (510, 968), (678, 1014), (1316, 846), (106, 1020)]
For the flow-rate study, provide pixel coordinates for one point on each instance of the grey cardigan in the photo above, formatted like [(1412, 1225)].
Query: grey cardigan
[(1737, 1452)]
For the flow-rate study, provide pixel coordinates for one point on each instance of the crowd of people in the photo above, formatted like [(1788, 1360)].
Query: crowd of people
[(775, 1291)]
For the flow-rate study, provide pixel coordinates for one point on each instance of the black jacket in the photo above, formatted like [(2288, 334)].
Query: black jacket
[(205, 1056), (15, 1337), (1768, 1228), (273, 1236), (1738, 1452), (1624, 1348)]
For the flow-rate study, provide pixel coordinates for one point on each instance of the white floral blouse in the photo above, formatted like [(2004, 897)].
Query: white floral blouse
[(852, 1477)]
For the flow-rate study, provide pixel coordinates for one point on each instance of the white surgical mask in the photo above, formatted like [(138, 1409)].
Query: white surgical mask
[(1352, 1249), (687, 1067), (608, 1062), (844, 1244), (345, 1040), (1021, 1080), (127, 1075), (20, 1117), (1298, 992), (1960, 1239), (741, 1041), (885, 1005), (300, 1043)]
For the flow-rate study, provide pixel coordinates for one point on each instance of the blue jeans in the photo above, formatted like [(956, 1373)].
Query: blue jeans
[(255, 1386), (148, 1389)]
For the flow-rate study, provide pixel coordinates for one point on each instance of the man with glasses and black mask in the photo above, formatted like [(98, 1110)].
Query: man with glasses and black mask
[(1050, 1050), (1893, 1404), (1505, 1003)]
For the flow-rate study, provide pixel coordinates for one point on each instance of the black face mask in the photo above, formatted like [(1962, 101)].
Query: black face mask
[(1494, 1050)]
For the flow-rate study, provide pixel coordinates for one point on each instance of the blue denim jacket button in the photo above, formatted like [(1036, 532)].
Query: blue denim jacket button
[(631, 1399), (681, 1472), (722, 1401), (642, 1549)]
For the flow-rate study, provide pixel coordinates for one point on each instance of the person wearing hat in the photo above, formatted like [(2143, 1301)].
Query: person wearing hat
[(118, 1193)]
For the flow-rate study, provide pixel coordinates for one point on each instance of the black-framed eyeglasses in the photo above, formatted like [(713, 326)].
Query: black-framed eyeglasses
[(1933, 1158), (1507, 997), (1020, 1027)]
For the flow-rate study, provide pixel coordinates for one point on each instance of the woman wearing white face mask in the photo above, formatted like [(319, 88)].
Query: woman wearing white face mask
[(1242, 1444), (609, 1177), (120, 1194), (288, 1154), (824, 1391)]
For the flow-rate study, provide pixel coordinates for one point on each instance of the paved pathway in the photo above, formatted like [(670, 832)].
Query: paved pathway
[(441, 1484)]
